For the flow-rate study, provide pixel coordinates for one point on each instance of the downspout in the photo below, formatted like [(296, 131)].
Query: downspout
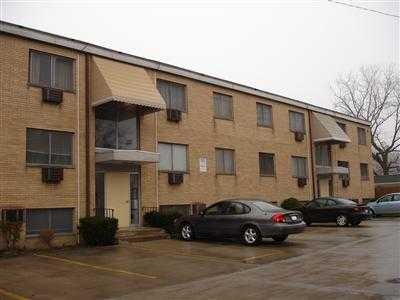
[(78, 213), (311, 153), (87, 131), (156, 147)]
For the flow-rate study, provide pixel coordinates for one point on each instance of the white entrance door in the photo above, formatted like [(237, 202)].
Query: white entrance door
[(117, 186)]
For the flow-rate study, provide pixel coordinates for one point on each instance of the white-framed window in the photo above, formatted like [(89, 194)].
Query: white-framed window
[(223, 106), (173, 157), (58, 219), (299, 167), (267, 164), (364, 171), (53, 71), (362, 136), (264, 115), (225, 161), (48, 148), (174, 94), (296, 122)]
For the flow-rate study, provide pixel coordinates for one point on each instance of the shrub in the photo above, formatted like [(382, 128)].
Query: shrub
[(98, 231), (292, 204), (11, 232), (161, 220), (47, 236)]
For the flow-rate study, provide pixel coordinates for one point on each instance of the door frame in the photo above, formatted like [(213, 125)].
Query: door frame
[(138, 173)]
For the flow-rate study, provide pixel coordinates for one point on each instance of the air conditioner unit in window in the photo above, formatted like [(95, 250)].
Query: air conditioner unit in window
[(175, 178), (345, 182), (174, 115), (52, 95), (301, 182), (52, 175), (299, 136), (342, 145)]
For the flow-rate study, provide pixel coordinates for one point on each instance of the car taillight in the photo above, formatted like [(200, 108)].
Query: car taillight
[(278, 218)]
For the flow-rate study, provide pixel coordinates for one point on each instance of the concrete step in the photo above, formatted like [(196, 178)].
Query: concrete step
[(142, 234), (144, 238)]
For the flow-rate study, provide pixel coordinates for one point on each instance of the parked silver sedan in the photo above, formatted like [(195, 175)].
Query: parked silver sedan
[(386, 205)]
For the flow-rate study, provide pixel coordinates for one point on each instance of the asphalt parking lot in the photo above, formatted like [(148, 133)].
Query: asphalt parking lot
[(324, 262)]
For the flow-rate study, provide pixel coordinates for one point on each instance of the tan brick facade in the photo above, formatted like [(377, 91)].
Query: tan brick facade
[(21, 108)]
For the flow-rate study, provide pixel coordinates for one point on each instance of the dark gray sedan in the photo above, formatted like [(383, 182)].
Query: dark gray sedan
[(249, 219)]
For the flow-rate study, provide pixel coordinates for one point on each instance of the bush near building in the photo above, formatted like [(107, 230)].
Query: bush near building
[(161, 220), (98, 231)]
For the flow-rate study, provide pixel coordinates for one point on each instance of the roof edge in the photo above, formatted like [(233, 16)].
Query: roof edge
[(85, 47)]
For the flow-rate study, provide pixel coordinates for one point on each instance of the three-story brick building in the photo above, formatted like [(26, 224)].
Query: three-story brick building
[(88, 130)]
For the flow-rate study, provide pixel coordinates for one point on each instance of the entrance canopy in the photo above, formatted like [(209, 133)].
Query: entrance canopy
[(117, 157), (121, 82), (326, 129)]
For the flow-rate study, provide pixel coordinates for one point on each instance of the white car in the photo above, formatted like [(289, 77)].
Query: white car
[(386, 205)]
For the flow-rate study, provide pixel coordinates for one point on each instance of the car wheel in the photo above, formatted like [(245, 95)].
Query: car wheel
[(356, 223), (186, 232), (342, 221), (279, 238), (251, 236)]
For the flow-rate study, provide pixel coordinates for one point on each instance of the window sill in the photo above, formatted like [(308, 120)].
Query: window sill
[(265, 126), (36, 235), (176, 172), (225, 174), (28, 165), (264, 175), (222, 118), (43, 86)]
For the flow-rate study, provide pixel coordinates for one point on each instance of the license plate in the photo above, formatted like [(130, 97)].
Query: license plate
[(294, 218)]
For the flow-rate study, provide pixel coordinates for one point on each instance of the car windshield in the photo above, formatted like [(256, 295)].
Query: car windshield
[(342, 201), (264, 206)]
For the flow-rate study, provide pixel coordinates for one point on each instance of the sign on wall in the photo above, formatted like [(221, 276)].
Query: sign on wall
[(203, 164)]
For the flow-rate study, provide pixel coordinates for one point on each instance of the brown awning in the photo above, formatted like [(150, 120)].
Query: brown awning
[(121, 82), (326, 129)]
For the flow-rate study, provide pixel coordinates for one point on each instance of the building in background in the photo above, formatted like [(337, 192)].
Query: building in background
[(387, 184), (87, 130)]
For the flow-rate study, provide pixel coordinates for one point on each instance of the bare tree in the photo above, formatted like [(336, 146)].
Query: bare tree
[(373, 94)]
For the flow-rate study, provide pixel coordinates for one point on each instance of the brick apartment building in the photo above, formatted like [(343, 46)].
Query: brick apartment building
[(88, 130)]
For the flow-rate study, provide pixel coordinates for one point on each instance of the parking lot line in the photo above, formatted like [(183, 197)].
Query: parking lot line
[(78, 263), (10, 295)]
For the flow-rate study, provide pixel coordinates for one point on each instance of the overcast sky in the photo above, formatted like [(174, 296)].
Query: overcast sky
[(293, 48)]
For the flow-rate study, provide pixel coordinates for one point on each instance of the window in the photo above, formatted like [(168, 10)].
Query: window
[(342, 126), (117, 127), (330, 202), (364, 171), (223, 106), (299, 167), (387, 198), (235, 208), (264, 115), (12, 215), (51, 71), (173, 157), (344, 164), (362, 136), (216, 209), (296, 122), (49, 148), (173, 93), (225, 161), (323, 154), (57, 219), (267, 164)]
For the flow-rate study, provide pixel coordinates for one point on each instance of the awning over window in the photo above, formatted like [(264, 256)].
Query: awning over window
[(116, 81), (325, 129)]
